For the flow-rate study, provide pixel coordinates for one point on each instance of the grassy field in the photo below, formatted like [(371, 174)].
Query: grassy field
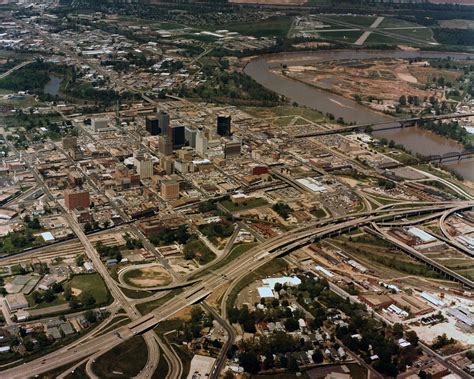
[(201, 252), (391, 22), (423, 35), (148, 307), (285, 111), (123, 361), (348, 37), (252, 203), (235, 253), (363, 21), (93, 284), (273, 27)]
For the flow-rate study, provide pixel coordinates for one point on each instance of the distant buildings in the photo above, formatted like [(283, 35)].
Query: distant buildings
[(76, 199)]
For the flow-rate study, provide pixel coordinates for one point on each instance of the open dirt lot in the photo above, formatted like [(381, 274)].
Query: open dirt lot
[(388, 79), (457, 24), (148, 277)]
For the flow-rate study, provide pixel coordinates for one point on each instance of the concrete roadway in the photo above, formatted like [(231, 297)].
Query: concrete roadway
[(94, 256), (13, 69), (221, 359), (249, 262)]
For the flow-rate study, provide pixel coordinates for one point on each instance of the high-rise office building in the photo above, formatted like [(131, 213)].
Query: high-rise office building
[(76, 199), (164, 122), (190, 136), (145, 168), (152, 124), (177, 136), (165, 146), (169, 190), (201, 144), (224, 125)]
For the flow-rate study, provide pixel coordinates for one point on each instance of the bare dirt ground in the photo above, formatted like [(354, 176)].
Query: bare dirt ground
[(457, 24), (388, 79), (76, 292), (151, 277)]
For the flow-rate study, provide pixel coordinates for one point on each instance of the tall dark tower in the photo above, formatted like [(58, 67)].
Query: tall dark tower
[(224, 125)]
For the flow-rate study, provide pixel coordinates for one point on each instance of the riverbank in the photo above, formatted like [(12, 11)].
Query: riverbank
[(416, 140)]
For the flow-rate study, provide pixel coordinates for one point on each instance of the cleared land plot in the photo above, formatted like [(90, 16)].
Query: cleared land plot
[(457, 24), (285, 111), (147, 277), (123, 361)]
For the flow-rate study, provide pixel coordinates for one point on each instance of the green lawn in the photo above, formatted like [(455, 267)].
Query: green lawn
[(363, 21), (348, 37), (391, 22), (273, 27), (423, 35), (123, 361), (145, 308), (249, 204), (93, 284), (199, 251), (235, 253), (44, 304)]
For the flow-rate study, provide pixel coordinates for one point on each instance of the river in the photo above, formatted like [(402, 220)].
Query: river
[(414, 139), (52, 87)]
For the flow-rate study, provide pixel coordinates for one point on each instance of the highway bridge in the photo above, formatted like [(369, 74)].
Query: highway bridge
[(385, 125), (448, 157)]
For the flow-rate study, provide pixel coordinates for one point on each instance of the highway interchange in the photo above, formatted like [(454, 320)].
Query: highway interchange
[(249, 262)]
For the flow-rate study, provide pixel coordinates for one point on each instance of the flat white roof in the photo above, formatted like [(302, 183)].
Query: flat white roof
[(47, 236), (289, 280), (421, 234), (265, 292), (311, 184), (324, 271)]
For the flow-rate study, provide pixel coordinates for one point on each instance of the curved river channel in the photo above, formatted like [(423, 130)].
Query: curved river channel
[(414, 139)]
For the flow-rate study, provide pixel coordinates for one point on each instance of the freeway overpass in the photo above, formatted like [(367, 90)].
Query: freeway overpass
[(250, 261), (385, 125)]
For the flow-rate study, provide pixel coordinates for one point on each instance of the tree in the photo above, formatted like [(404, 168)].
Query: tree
[(402, 100), (90, 316), (49, 295), (291, 324), (249, 361), (318, 356), (37, 298), (57, 287), (88, 299), (398, 330), (412, 337), (87, 227)]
